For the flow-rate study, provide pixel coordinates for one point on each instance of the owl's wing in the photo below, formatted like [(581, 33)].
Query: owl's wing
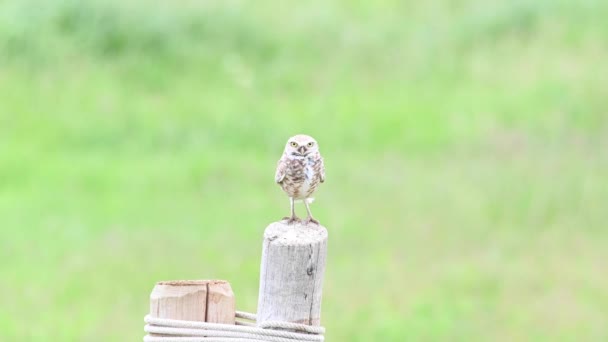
[(322, 171), (280, 173)]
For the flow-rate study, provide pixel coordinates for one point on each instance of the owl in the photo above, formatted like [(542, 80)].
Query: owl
[(299, 172)]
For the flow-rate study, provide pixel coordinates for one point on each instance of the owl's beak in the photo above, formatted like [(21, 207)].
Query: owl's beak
[(302, 150)]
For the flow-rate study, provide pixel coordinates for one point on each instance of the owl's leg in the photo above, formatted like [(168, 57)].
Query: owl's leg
[(293, 218), (309, 219)]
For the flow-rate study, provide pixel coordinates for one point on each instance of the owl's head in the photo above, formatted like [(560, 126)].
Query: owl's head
[(301, 145)]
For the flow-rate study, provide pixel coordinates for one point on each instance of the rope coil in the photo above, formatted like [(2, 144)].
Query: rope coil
[(171, 330)]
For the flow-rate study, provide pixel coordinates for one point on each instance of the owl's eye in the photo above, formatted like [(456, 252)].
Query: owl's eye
[(310, 144), (294, 144)]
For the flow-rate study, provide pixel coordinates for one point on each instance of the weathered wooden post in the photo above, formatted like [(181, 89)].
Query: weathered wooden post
[(289, 306), (193, 300), (291, 275)]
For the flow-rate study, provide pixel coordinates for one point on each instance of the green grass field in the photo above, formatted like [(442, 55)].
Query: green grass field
[(466, 146)]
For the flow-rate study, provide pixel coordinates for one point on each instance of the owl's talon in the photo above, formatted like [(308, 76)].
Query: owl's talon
[(292, 219), (311, 220)]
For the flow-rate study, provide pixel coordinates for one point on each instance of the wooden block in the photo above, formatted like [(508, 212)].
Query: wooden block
[(220, 303), (292, 271), (193, 300)]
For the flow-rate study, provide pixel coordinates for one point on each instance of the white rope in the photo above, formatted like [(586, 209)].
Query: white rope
[(171, 330)]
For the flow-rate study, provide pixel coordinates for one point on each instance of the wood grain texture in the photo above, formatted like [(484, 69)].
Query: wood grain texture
[(220, 303), (292, 271), (193, 300)]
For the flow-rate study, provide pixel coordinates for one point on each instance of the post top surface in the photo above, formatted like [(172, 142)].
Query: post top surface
[(190, 282), (281, 233)]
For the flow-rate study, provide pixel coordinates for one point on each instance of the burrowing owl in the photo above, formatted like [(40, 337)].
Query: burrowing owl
[(299, 172)]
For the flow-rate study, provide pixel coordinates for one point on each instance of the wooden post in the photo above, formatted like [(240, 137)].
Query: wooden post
[(193, 300), (291, 276)]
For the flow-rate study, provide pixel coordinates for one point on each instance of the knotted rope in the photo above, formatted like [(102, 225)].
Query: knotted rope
[(171, 330)]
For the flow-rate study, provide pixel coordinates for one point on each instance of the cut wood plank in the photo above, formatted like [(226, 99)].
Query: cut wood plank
[(193, 300), (220, 303)]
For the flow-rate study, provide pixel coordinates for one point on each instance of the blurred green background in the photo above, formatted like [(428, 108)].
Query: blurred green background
[(466, 146)]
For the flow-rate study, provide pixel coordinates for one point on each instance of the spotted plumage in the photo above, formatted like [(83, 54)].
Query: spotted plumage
[(300, 171)]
